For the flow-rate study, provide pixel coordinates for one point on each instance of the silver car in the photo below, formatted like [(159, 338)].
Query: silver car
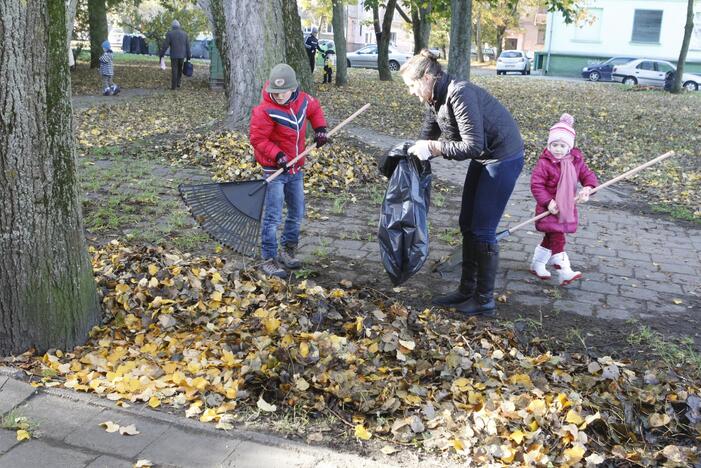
[(367, 58), (651, 73)]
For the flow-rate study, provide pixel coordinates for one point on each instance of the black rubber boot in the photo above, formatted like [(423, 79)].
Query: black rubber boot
[(482, 302), (467, 277)]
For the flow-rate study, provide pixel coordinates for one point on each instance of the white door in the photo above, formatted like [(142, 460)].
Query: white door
[(645, 73)]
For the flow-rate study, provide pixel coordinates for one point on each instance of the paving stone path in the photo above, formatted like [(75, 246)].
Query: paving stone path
[(635, 266)]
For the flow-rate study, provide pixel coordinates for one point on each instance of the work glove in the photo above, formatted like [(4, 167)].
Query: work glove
[(552, 207), (282, 160), (320, 137), (421, 150), (584, 194)]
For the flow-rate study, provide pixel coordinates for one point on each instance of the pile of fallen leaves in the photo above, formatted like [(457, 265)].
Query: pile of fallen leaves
[(108, 124), (193, 334), (336, 166)]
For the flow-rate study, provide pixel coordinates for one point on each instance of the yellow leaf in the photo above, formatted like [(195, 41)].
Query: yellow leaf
[(304, 349), (517, 436), (574, 418), (128, 430), (143, 463), (210, 414), (23, 435), (265, 406), (154, 402), (677, 301), (658, 420), (362, 433), (228, 359), (521, 379), (537, 407), (574, 454), (152, 269), (458, 445), (217, 296), (110, 426)]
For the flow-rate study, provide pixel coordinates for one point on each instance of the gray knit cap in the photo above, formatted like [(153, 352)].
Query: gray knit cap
[(282, 78), (175, 24)]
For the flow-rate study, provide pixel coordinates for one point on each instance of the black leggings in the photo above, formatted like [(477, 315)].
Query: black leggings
[(486, 191)]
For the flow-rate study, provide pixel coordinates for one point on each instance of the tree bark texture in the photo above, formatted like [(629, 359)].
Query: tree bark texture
[(97, 12), (383, 43), (688, 27), (295, 52), (48, 297), (339, 38), (421, 25), (460, 25), (71, 7), (252, 38)]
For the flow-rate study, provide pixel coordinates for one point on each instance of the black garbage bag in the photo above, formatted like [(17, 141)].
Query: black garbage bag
[(403, 231)]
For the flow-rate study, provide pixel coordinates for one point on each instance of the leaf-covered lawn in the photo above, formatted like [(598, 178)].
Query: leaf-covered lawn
[(617, 127), (190, 333)]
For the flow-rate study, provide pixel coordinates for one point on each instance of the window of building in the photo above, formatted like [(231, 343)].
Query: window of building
[(328, 28), (541, 35), (510, 43), (646, 26), (588, 29)]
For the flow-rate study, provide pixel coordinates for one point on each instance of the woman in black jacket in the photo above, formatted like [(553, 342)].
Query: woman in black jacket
[(475, 126)]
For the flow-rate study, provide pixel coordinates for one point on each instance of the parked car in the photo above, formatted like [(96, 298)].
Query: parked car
[(652, 73), (602, 71), (513, 60), (366, 57)]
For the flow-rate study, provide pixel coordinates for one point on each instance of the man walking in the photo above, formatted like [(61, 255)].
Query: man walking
[(312, 44), (179, 45)]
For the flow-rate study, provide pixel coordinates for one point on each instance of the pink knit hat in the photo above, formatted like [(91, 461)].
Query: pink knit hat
[(563, 130)]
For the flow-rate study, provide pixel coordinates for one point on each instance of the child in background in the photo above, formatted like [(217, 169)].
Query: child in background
[(554, 186), (107, 71), (278, 126), (329, 61)]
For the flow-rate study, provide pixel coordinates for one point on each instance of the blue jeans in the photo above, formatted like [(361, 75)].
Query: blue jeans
[(486, 191), (287, 188)]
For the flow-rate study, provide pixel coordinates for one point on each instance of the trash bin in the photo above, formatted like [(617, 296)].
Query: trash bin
[(216, 67)]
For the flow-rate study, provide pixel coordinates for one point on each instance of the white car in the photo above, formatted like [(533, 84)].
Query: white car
[(651, 73), (367, 58), (513, 61)]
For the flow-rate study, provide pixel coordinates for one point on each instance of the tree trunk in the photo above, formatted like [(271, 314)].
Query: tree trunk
[(478, 37), (251, 42), (376, 22), (339, 38), (420, 25), (501, 30), (460, 25), (97, 12), (383, 44), (688, 27), (71, 7), (295, 52), (48, 297)]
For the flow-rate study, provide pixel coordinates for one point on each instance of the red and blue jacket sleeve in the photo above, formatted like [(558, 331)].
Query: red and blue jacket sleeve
[(261, 129)]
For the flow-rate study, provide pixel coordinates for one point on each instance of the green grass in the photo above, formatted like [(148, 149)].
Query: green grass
[(681, 355), (678, 212)]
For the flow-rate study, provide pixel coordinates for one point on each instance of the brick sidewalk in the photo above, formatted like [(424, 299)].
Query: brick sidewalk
[(635, 266)]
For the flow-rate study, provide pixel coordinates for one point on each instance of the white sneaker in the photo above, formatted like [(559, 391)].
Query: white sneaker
[(540, 259), (564, 270)]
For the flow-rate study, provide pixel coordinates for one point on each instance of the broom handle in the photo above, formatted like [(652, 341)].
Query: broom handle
[(309, 150), (625, 175)]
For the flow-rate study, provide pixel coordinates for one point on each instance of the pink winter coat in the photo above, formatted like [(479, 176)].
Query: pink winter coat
[(544, 179)]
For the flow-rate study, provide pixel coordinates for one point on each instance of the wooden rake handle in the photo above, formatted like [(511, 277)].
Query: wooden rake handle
[(618, 178), (311, 147)]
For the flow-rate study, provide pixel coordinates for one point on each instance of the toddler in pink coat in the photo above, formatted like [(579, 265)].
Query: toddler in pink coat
[(554, 187)]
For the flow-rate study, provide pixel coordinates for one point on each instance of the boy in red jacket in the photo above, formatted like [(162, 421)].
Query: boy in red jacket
[(554, 185), (278, 127)]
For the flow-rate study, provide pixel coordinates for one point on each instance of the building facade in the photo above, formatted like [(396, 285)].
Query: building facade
[(608, 28)]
